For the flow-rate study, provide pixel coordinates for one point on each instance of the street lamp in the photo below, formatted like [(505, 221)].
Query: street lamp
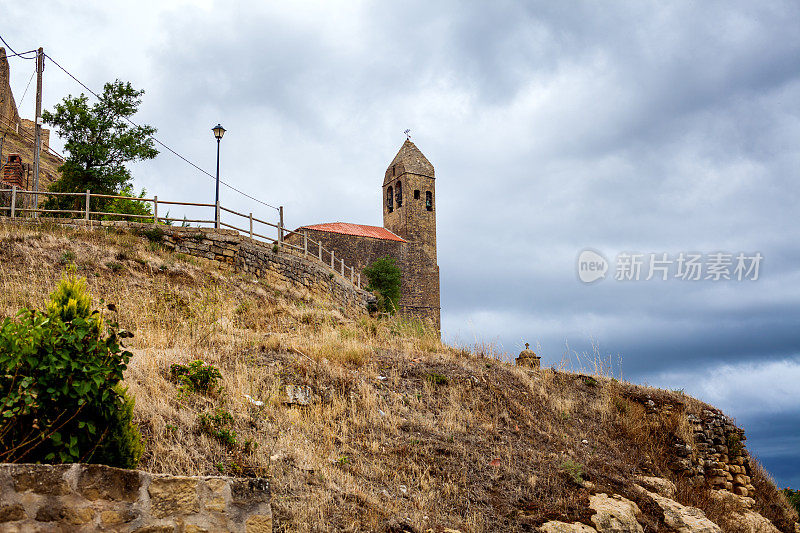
[(219, 131)]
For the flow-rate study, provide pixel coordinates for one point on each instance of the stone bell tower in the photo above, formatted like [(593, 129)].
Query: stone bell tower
[(409, 210)]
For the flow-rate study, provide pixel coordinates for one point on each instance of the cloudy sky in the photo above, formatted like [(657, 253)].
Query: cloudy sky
[(629, 127)]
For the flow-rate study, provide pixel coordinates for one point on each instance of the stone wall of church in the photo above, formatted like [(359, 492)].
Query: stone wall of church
[(357, 251), (419, 291), (414, 222)]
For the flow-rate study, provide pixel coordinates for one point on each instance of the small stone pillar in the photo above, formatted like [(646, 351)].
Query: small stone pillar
[(528, 358)]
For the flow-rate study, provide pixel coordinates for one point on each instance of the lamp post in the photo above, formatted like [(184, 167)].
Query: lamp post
[(219, 131)]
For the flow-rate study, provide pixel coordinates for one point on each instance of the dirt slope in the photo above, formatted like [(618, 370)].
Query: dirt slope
[(365, 424)]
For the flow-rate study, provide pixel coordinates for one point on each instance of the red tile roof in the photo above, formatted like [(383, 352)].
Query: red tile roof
[(361, 230)]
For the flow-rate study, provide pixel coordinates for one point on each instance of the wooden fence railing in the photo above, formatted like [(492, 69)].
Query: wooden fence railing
[(310, 248)]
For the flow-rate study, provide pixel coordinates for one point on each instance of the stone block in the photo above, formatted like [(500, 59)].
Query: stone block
[(41, 479), (103, 482), (59, 513), (171, 497), (250, 491), (216, 499), (10, 513), (116, 517)]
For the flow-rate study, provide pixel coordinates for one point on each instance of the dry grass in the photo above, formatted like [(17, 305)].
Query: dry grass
[(402, 429)]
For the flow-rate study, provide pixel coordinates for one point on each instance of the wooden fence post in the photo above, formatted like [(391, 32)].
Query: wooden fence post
[(351, 274), (155, 210), (342, 267), (305, 242), (280, 227), (332, 265), (216, 215), (13, 200), (251, 225), (359, 280), (320, 250), (88, 197)]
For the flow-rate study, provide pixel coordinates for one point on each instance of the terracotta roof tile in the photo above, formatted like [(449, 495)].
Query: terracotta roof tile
[(360, 230)]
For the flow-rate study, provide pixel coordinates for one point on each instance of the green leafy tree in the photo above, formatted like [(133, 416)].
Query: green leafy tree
[(99, 141), (384, 279), (60, 394)]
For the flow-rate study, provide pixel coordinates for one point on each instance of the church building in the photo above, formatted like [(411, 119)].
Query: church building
[(408, 234)]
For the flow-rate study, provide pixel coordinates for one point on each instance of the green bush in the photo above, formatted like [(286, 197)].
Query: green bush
[(384, 278), (60, 399), (734, 443), (124, 206), (196, 377), (217, 424), (794, 498), (154, 234), (438, 379), (573, 470)]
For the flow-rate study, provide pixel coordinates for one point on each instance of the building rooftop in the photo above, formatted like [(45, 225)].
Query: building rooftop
[(412, 160), (345, 228)]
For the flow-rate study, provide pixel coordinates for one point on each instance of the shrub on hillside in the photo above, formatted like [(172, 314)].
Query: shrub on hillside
[(60, 398), (196, 377), (794, 498), (126, 206), (384, 278)]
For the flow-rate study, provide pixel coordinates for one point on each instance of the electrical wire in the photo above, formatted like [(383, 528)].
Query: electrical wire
[(21, 55), (14, 53), (68, 73), (26, 89)]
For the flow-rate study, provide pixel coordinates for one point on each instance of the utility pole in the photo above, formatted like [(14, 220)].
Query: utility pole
[(37, 148)]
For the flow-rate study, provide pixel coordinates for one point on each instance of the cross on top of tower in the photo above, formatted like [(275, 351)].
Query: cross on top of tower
[(408, 134)]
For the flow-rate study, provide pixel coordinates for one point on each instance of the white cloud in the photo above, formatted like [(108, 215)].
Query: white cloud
[(741, 390)]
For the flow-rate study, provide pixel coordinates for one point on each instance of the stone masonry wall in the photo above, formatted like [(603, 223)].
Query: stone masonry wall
[(411, 219), (716, 454), (76, 497), (719, 455), (357, 251), (253, 257)]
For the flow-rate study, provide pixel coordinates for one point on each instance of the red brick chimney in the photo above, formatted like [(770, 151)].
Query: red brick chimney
[(13, 171)]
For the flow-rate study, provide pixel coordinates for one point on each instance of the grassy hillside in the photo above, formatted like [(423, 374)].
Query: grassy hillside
[(401, 432)]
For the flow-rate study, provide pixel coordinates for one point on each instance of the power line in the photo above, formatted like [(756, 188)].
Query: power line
[(68, 73), (13, 52), (21, 55), (26, 88)]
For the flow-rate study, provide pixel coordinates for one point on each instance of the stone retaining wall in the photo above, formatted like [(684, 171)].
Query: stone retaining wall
[(76, 497), (719, 454), (245, 254), (716, 454)]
